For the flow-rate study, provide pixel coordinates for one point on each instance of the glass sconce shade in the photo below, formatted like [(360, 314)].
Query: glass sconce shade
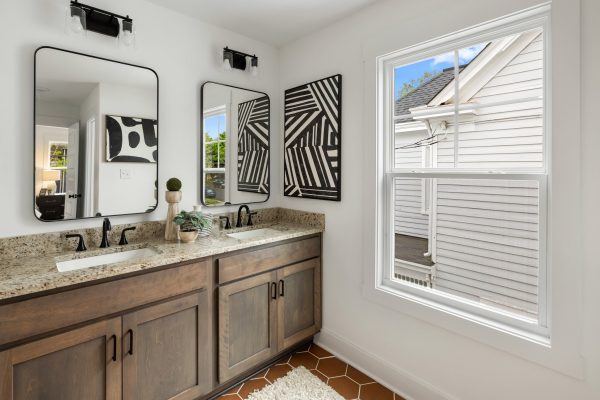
[(227, 60), (75, 20), (127, 36)]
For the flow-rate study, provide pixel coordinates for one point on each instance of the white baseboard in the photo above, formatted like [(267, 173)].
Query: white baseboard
[(400, 381)]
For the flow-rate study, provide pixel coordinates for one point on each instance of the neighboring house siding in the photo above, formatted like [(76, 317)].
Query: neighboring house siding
[(408, 219), (507, 136), (487, 241)]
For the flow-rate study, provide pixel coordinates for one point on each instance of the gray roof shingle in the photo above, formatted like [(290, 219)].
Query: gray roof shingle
[(423, 94)]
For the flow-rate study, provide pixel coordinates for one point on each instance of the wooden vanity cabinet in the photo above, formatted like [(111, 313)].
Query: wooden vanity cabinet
[(164, 349), (180, 332), (299, 302), (247, 324), (262, 314), (83, 363), (157, 350)]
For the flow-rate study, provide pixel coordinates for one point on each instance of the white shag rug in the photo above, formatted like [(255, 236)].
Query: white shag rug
[(298, 384)]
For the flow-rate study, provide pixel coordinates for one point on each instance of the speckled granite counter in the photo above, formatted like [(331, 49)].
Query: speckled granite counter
[(32, 274)]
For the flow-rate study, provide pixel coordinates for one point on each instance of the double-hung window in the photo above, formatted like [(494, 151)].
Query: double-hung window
[(464, 172), (215, 156)]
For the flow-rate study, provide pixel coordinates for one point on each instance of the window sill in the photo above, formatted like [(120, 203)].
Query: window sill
[(526, 345)]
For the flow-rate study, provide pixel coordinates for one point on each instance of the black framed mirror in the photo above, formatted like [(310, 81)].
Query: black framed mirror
[(95, 136), (235, 145)]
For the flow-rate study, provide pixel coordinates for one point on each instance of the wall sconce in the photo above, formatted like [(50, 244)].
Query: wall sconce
[(238, 60), (82, 18)]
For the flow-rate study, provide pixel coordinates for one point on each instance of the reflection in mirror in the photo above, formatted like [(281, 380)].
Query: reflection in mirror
[(96, 136), (235, 145)]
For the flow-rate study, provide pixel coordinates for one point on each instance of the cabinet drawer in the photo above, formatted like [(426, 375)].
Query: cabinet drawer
[(43, 314), (253, 262)]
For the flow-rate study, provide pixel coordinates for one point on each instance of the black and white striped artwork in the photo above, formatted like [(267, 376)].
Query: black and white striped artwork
[(130, 139), (253, 146), (312, 140)]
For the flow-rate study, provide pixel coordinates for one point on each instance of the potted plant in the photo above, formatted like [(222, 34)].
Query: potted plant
[(190, 224), (173, 197)]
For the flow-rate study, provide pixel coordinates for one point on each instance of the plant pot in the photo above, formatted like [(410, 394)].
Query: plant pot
[(188, 236)]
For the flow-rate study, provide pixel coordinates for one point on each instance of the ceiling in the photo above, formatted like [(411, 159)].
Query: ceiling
[(66, 77), (276, 22)]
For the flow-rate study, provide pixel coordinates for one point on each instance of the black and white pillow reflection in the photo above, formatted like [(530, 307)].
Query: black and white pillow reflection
[(131, 139)]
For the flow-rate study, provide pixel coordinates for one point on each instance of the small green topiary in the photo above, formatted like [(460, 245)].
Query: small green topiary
[(173, 185)]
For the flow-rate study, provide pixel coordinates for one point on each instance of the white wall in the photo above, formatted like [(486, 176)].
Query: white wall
[(183, 51), (56, 114), (116, 195), (421, 358)]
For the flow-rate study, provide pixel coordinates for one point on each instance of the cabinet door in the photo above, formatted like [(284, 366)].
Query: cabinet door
[(84, 363), (247, 324), (299, 308), (164, 350)]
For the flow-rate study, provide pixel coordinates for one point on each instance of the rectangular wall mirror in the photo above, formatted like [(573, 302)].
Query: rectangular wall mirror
[(235, 159), (96, 136)]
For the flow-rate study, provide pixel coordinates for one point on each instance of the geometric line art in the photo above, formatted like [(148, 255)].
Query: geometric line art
[(312, 139)]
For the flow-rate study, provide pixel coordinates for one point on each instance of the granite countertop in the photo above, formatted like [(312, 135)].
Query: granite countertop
[(35, 274)]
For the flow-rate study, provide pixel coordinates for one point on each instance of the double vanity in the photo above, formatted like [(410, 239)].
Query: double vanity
[(148, 319), (155, 319)]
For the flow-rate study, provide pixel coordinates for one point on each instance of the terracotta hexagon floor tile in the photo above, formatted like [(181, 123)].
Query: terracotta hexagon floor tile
[(307, 360), (344, 386), (358, 376), (375, 391), (230, 397), (319, 375), (319, 352), (283, 360), (332, 367), (277, 372), (252, 386), (304, 348)]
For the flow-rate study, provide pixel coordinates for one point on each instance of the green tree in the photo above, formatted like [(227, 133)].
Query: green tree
[(215, 151), (411, 85)]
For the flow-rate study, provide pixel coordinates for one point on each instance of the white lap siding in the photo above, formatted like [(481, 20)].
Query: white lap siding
[(487, 242), (408, 218), (487, 232)]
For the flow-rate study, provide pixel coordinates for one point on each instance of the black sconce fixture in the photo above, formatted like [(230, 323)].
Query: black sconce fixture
[(238, 60), (82, 18)]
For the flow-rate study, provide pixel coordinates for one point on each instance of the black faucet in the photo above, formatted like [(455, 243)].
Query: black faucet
[(239, 223), (227, 222), (81, 244), (123, 240), (105, 228)]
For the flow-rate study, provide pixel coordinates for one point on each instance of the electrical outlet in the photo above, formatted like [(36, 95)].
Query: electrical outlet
[(125, 173)]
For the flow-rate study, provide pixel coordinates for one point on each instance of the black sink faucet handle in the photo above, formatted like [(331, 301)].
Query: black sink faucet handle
[(106, 226), (239, 223), (227, 221), (250, 214), (123, 240), (81, 244)]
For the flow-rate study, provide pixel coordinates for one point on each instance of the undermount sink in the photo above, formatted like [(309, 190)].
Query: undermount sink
[(253, 234), (103, 259)]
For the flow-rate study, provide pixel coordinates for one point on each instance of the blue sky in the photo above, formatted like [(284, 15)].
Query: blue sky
[(214, 125), (436, 64)]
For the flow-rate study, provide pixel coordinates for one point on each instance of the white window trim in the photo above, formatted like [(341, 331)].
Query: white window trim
[(562, 352)]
